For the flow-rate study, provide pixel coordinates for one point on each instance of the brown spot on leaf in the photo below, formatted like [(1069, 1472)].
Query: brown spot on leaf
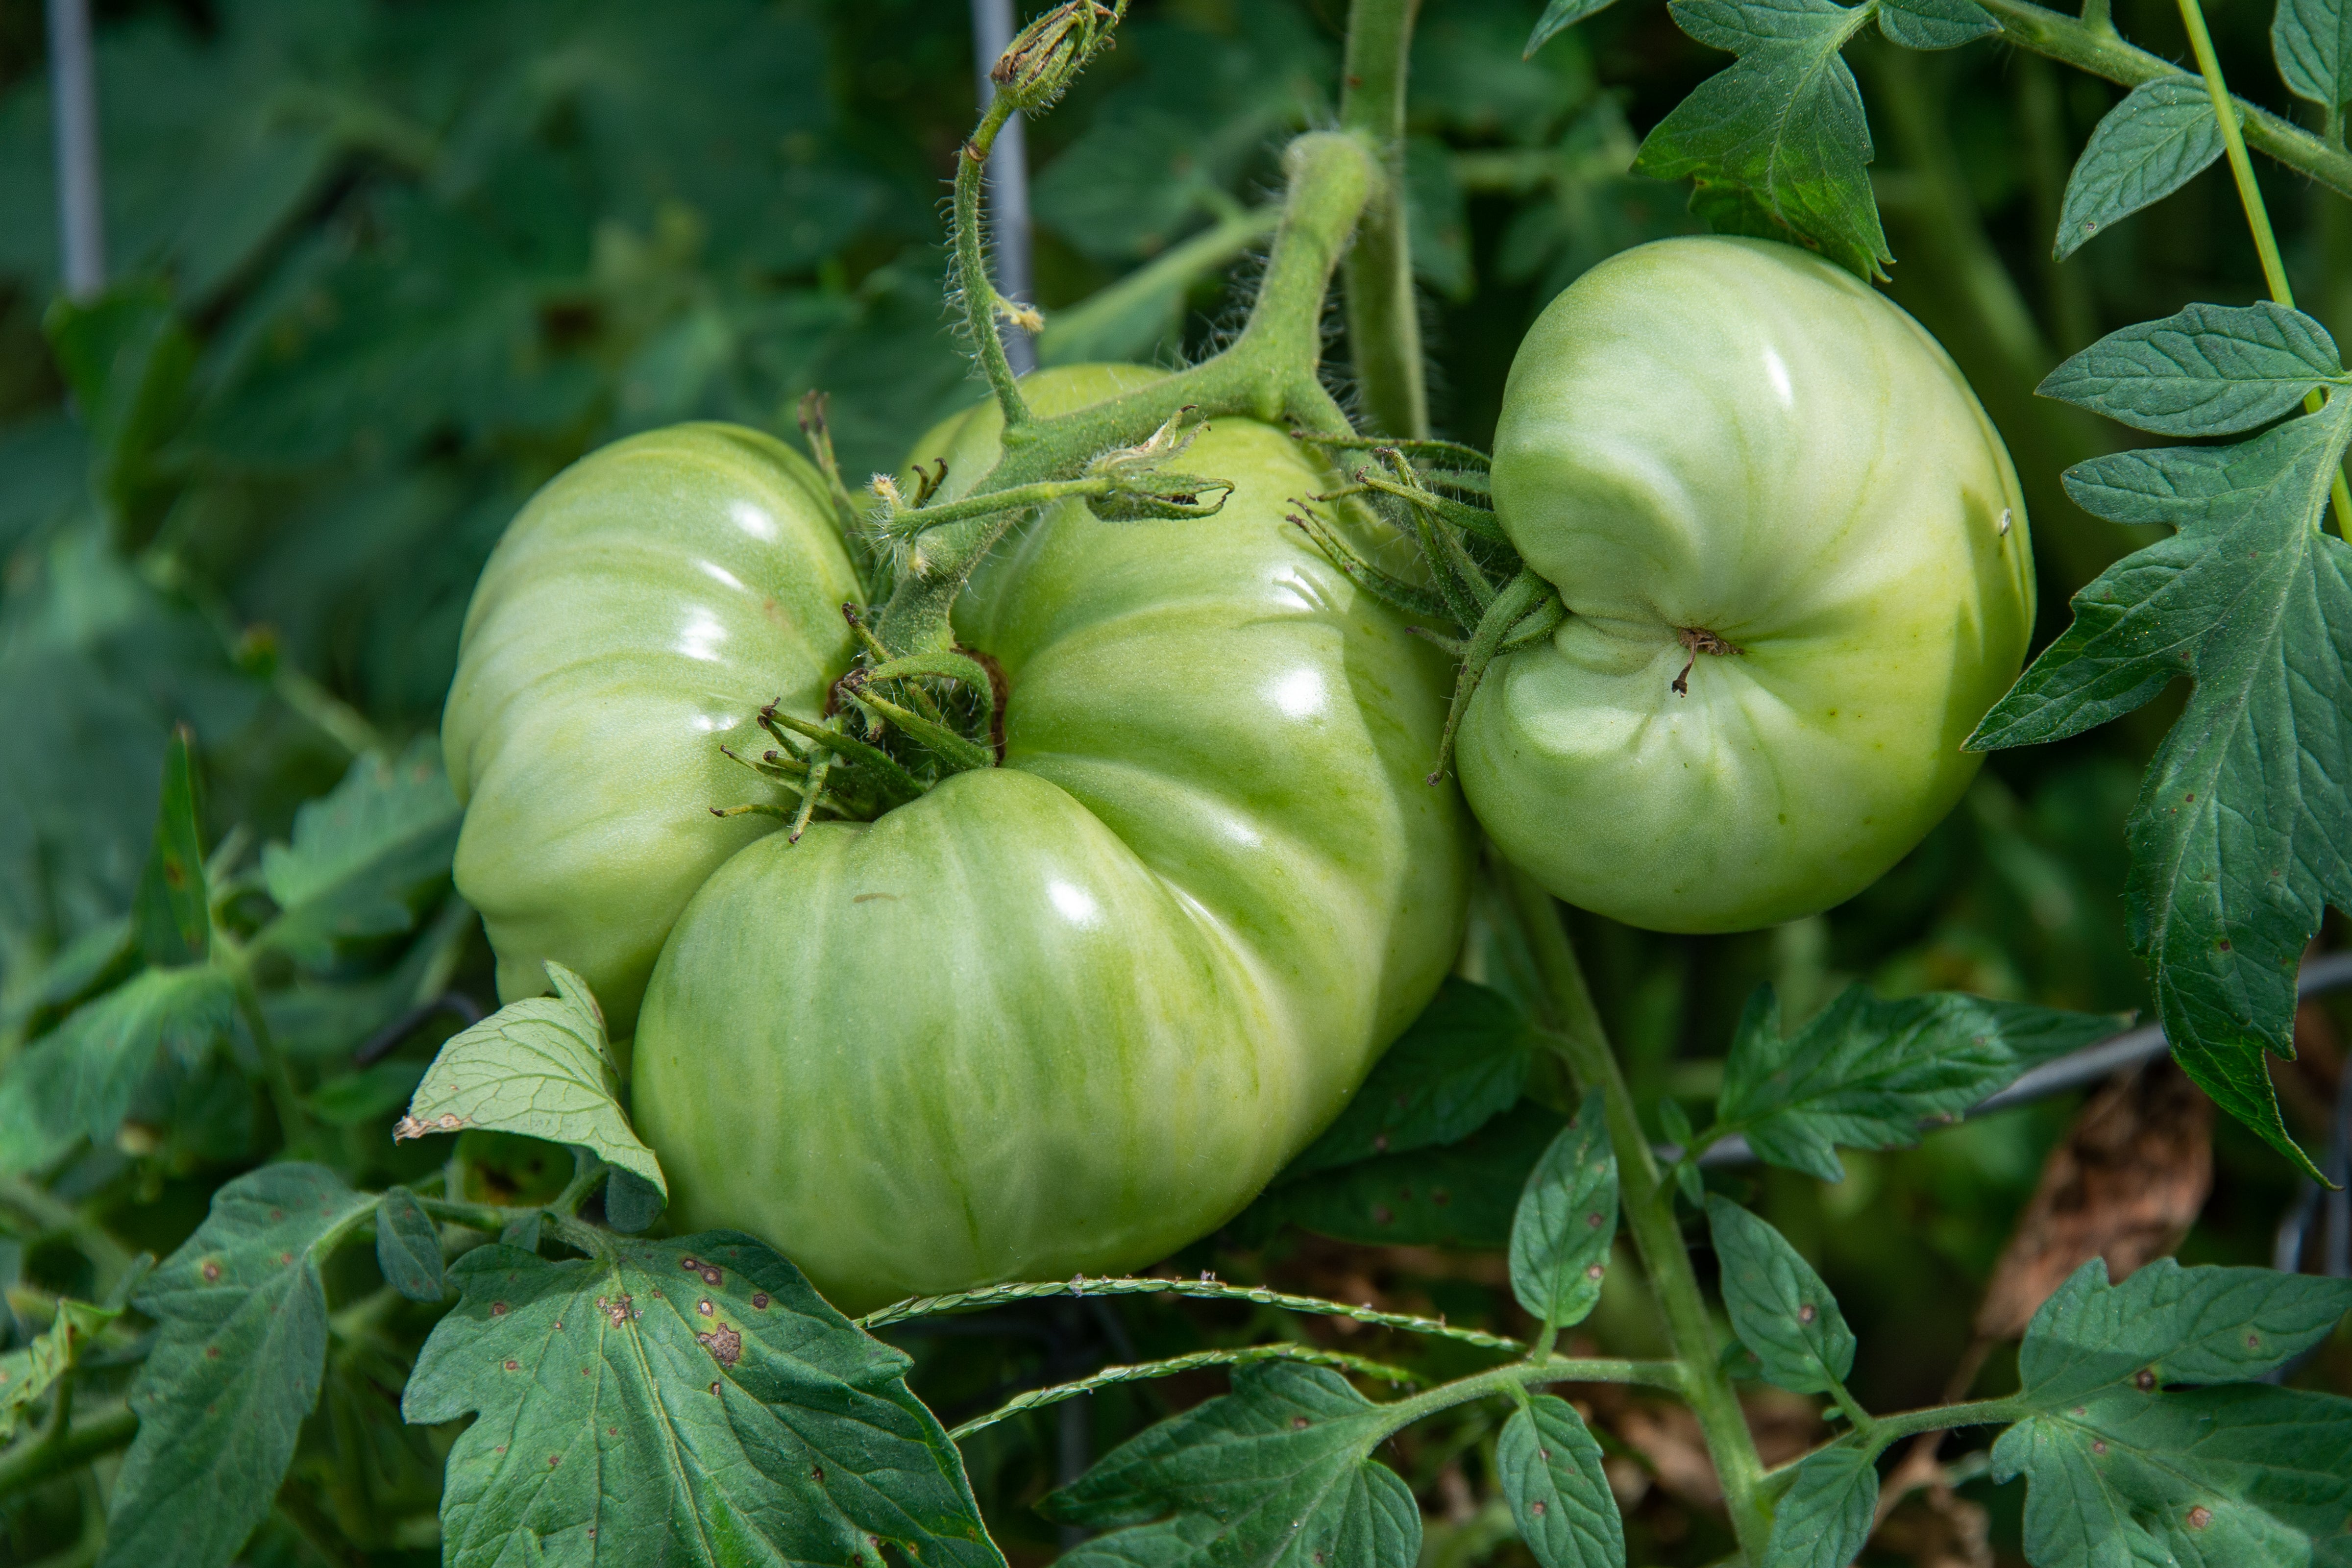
[(692, 1266), (2098, 1446), (513, 1365), (1536, 1508), (759, 1300), (703, 1306), (500, 1309), (711, 1276), (2143, 1379), (1593, 1220), (1595, 1272), (1298, 1423), (2199, 1517), (725, 1345), (1808, 1312), (212, 1353), (211, 1272)]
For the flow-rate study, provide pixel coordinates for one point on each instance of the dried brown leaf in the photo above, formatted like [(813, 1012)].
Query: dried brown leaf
[(2125, 1183)]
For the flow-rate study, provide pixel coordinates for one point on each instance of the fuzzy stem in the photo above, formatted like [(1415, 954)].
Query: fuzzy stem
[(1669, 1375), (973, 280), (1268, 373), (1383, 317), (1204, 1289), (1284, 1351), (1648, 1212), (2258, 216)]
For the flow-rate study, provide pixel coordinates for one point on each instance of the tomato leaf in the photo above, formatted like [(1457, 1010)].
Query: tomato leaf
[(2243, 832), (2124, 1465), (541, 1067), (79, 1080), (1567, 1220), (1461, 1195), (690, 1401), (361, 853), (2312, 42), (1865, 1073), (2177, 1325), (172, 911), (1275, 1473), (1560, 1496), (1461, 1064), (1557, 17), (2210, 370), (239, 1352), (1779, 1306), (408, 1246), (1784, 125), (2161, 136), (31, 1372), (2246, 1476), (1934, 24), (1825, 1517)]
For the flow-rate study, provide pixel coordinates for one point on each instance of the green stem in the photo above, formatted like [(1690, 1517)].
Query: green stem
[(1585, 1045), (1204, 1289), (1308, 1355), (907, 522), (2097, 49), (2258, 216), (1383, 317), (30, 1464), (1666, 1374), (1888, 1430), (1269, 374), (978, 289)]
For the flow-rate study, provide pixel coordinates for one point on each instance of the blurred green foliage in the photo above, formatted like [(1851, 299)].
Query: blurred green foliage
[(385, 266)]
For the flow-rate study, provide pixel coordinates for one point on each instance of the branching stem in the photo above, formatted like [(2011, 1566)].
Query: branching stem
[(1270, 373), (2258, 216), (1584, 1045), (2092, 45)]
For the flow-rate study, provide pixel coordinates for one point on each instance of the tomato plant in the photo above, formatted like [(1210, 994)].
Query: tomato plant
[(933, 899)]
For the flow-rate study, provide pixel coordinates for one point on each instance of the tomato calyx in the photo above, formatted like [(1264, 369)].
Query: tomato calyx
[(1699, 640), (1481, 589)]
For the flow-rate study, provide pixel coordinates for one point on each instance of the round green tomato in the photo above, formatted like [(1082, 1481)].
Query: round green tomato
[(1795, 560), (1067, 1014)]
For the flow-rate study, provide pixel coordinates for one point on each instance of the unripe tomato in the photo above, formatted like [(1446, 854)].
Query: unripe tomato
[(1067, 1014), (1795, 560), (629, 624)]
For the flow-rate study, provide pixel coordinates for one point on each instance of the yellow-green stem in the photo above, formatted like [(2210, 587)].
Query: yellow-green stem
[(1648, 1211), (2258, 216)]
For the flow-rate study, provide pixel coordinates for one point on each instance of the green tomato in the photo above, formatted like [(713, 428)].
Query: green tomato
[(1795, 559), (631, 622), (1068, 1014)]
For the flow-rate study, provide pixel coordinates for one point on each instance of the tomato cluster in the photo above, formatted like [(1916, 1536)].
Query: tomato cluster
[(1071, 1012)]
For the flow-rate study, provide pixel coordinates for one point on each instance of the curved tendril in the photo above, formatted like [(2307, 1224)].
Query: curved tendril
[(1521, 594)]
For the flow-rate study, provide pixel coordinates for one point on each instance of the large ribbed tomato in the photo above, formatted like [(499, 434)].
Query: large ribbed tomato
[(1794, 558), (1065, 1013)]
